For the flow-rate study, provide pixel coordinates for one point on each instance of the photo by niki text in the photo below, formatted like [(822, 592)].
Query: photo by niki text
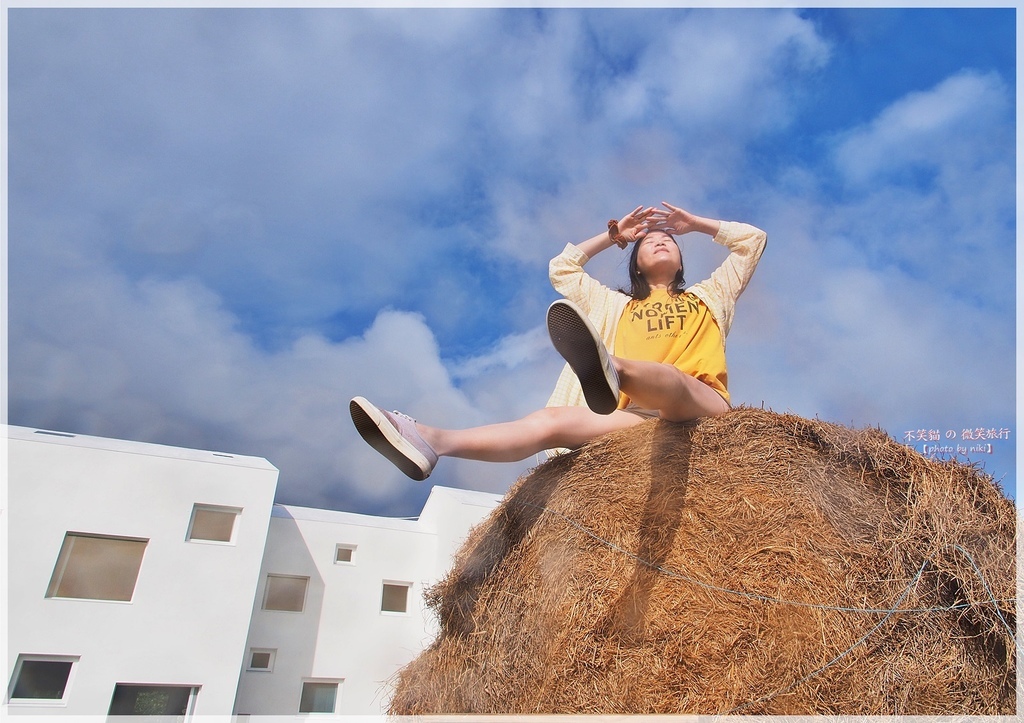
[(968, 440)]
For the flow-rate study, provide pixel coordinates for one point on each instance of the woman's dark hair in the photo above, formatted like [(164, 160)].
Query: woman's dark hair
[(639, 289)]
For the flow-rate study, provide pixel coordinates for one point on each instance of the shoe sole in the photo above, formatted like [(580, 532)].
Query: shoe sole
[(576, 341), (382, 435)]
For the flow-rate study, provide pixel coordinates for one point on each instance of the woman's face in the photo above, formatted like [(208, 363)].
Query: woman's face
[(658, 256)]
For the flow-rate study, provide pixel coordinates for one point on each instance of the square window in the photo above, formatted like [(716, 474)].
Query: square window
[(167, 700), (211, 523), (94, 567), (344, 554), (285, 592), (261, 659), (395, 597), (318, 697), (40, 679)]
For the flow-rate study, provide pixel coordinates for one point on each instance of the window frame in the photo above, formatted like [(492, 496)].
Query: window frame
[(272, 652), (193, 695), (396, 583), (266, 592), (60, 566), (204, 507), (345, 546), (336, 682), (23, 658)]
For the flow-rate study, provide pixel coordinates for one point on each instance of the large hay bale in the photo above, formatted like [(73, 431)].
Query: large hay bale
[(754, 563)]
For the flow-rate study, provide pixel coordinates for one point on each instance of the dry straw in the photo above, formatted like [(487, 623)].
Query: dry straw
[(754, 563)]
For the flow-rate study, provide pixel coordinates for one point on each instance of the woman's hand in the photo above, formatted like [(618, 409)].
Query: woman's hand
[(631, 227), (678, 221)]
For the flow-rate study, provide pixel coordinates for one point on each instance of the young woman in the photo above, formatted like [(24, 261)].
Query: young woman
[(655, 350)]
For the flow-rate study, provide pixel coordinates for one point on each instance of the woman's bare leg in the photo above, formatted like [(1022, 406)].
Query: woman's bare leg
[(678, 396), (546, 428)]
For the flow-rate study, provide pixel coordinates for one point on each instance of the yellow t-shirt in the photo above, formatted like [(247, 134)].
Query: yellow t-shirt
[(677, 330)]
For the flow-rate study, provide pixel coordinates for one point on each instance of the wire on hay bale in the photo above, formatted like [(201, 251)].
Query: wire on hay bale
[(753, 563)]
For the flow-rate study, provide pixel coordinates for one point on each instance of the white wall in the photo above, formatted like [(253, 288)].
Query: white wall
[(451, 514), (187, 621), (342, 635), (196, 611)]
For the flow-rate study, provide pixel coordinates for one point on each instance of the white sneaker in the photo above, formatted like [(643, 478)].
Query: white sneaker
[(395, 436), (580, 345)]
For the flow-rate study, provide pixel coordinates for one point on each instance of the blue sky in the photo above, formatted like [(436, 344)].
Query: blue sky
[(224, 223)]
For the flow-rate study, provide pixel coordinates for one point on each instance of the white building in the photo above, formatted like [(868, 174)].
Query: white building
[(340, 609), (150, 579)]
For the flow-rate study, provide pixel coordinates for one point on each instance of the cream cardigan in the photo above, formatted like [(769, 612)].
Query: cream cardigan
[(604, 306)]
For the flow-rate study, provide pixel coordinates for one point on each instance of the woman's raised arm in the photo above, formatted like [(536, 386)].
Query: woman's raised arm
[(631, 227), (678, 221)]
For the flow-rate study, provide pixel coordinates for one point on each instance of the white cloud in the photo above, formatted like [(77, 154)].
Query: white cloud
[(393, 169), (163, 361), (930, 129), (291, 161), (892, 304), (512, 351), (865, 346), (707, 70)]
